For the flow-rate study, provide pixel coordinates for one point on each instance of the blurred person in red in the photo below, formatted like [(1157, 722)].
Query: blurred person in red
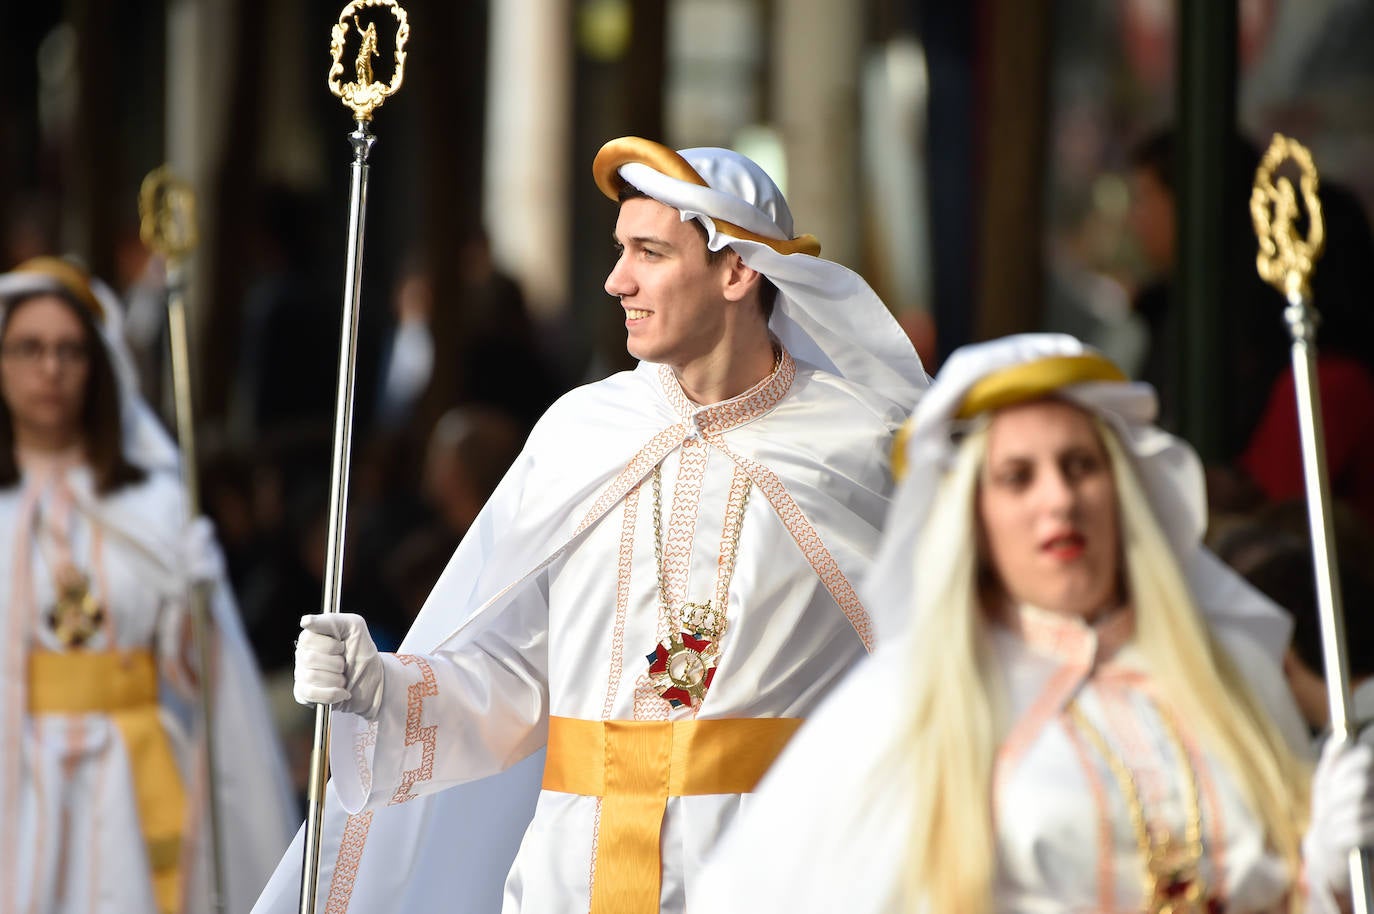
[(1343, 293)]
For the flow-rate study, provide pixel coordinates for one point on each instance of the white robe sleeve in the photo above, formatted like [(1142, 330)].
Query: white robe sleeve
[(451, 716)]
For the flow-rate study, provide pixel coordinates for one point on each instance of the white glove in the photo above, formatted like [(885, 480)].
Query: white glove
[(337, 664), (1342, 815), (201, 559)]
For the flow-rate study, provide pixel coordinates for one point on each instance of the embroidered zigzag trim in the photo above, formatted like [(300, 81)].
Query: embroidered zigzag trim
[(425, 737)]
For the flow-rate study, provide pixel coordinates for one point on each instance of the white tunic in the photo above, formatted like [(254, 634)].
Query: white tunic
[(67, 796), (1064, 836), (571, 640)]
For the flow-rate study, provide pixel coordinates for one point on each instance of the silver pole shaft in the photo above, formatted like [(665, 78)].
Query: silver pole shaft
[(202, 629), (1302, 325), (361, 140)]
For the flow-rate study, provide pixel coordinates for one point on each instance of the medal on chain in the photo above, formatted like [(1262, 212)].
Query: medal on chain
[(76, 615), (682, 667), (1171, 869)]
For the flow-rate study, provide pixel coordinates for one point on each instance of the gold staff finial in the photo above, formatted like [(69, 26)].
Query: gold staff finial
[(167, 214), (366, 94), (1285, 259)]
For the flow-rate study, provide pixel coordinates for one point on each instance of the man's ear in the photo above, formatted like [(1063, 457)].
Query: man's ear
[(740, 280)]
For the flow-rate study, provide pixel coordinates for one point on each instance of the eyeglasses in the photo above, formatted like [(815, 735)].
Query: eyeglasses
[(30, 351)]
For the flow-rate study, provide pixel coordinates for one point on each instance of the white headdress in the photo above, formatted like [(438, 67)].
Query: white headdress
[(980, 378), (826, 314), (146, 442)]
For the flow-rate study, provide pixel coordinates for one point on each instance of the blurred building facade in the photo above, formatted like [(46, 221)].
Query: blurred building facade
[(973, 160)]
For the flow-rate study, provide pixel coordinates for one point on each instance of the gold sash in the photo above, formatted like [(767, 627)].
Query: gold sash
[(634, 766), (124, 686)]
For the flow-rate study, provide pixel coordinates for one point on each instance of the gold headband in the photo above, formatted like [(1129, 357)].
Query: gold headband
[(1032, 380), (626, 149), (71, 278)]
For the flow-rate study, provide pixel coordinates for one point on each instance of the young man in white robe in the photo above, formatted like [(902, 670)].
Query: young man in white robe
[(659, 591)]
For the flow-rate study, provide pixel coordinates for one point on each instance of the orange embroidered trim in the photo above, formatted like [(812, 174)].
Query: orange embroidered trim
[(622, 600), (633, 474), (363, 740), (722, 417), (682, 525), (346, 864), (649, 705), (822, 562), (729, 545), (591, 865), (425, 737)]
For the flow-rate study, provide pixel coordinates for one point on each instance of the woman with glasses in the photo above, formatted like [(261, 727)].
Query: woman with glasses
[(1074, 715), (101, 791)]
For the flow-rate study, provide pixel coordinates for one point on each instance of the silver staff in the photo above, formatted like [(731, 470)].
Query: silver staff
[(167, 216), (362, 97), (1286, 261)]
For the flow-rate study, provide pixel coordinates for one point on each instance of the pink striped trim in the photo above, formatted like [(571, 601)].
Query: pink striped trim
[(1052, 700), (1106, 839), (13, 710)]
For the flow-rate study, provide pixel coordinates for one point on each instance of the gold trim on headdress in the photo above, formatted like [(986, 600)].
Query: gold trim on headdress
[(1031, 380), (626, 149), (69, 276)]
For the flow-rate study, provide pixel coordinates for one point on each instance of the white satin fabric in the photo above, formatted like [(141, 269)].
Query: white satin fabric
[(536, 581), (804, 846), (66, 792)]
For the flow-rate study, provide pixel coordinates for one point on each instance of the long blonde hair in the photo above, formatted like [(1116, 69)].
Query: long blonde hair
[(956, 716)]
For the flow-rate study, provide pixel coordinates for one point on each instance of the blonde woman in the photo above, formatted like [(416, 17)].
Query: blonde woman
[(1073, 718)]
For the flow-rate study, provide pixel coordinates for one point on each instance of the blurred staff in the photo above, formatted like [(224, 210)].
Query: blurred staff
[(1286, 260), (96, 560), (362, 97), (167, 218)]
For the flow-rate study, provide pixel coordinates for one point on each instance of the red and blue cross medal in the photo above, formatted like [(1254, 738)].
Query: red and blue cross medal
[(682, 667)]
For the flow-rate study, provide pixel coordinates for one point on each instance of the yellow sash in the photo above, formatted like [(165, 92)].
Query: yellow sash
[(634, 766), (124, 686)]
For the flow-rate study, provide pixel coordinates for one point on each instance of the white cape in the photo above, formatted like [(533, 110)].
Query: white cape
[(587, 452)]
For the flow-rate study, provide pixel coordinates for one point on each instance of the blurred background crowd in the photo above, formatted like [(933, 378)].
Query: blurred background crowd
[(992, 167)]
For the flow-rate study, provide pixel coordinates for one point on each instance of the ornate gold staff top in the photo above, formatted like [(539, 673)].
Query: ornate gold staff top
[(1286, 261), (366, 94), (362, 97), (167, 214)]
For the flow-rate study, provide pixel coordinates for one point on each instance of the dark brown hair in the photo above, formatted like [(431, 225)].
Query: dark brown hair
[(768, 293), (102, 434)]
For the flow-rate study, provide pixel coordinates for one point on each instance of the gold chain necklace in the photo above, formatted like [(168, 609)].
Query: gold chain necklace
[(682, 668), (1172, 874)]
